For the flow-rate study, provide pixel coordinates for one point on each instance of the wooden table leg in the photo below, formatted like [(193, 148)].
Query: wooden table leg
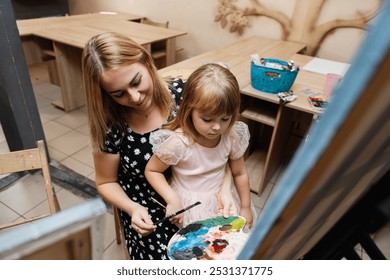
[(68, 61), (171, 51)]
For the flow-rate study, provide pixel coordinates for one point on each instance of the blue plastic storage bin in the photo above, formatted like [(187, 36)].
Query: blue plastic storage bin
[(271, 79)]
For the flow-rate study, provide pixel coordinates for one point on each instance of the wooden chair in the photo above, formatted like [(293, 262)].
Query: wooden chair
[(119, 231), (30, 159), (158, 49), (155, 23), (75, 233)]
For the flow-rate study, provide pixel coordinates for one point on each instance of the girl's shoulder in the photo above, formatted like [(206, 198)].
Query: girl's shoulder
[(169, 146), (240, 129), (168, 138), (239, 139)]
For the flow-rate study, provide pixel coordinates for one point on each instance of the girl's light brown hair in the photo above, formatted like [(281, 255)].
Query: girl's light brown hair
[(211, 89), (109, 51)]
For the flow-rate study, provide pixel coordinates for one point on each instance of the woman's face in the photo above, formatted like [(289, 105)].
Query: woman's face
[(130, 86)]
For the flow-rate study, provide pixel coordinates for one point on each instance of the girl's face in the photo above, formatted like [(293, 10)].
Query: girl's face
[(210, 128), (129, 85)]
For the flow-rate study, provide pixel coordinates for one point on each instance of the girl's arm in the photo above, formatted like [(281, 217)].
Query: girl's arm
[(241, 181), (226, 205), (106, 169), (154, 173)]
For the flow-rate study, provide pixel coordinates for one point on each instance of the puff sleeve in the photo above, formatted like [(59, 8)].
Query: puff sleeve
[(239, 136), (167, 146)]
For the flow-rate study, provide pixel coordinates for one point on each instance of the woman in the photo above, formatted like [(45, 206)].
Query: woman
[(126, 100)]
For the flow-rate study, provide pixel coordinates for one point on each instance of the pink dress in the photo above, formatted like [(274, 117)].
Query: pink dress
[(197, 171)]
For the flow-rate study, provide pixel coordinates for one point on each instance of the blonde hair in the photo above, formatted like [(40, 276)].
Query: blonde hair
[(109, 51), (211, 89)]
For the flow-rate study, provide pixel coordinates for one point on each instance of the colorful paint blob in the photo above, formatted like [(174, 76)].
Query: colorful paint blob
[(216, 238)]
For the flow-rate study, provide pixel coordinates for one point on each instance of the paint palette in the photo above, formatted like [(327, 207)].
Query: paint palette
[(216, 238)]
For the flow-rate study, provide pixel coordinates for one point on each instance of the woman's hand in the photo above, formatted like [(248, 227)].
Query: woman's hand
[(140, 220), (247, 214)]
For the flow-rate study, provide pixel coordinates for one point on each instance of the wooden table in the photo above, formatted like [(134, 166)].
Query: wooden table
[(144, 34), (31, 44), (304, 80), (65, 37), (271, 124), (237, 56), (30, 26)]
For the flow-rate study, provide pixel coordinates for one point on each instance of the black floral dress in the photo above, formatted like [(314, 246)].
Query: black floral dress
[(135, 151)]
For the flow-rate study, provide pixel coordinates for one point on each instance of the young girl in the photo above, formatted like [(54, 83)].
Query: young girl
[(201, 140)]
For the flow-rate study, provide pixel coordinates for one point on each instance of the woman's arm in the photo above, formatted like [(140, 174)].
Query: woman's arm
[(106, 169), (154, 173), (241, 181)]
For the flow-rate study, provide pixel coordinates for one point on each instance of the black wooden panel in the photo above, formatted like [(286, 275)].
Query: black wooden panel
[(19, 115), (25, 9)]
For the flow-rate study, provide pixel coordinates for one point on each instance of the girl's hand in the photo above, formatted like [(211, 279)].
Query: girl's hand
[(247, 214), (140, 220), (226, 205), (172, 207)]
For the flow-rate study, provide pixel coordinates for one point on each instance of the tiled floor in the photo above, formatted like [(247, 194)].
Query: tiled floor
[(67, 139)]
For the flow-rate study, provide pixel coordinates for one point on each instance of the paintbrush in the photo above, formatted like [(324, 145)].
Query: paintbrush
[(156, 201), (177, 213)]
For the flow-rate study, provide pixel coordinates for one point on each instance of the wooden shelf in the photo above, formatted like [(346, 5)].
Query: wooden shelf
[(262, 118), (49, 53), (265, 115)]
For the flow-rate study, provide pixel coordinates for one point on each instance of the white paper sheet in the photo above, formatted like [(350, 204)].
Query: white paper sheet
[(325, 66)]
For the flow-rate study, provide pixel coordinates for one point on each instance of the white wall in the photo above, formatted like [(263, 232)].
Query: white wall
[(196, 17)]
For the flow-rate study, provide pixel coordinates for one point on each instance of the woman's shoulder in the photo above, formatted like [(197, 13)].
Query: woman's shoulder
[(176, 87), (176, 83), (113, 139)]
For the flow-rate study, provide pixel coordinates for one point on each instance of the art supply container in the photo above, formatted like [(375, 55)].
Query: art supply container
[(273, 75)]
